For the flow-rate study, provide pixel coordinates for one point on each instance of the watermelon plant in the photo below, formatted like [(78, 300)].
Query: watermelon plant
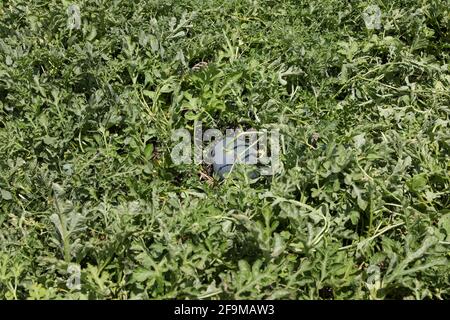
[(92, 205)]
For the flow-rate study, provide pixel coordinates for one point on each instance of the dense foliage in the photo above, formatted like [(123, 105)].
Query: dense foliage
[(361, 209)]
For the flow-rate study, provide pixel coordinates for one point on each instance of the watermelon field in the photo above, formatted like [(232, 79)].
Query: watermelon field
[(95, 202)]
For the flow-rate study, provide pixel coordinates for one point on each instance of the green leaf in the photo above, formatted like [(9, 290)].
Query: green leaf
[(354, 217), (49, 140), (362, 203), (141, 275), (278, 246), (417, 183), (150, 94), (148, 151), (6, 195)]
